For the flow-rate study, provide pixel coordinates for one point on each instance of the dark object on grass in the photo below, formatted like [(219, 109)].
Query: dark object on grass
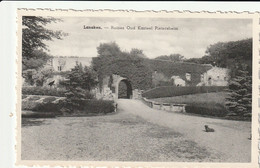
[(207, 129), (51, 83)]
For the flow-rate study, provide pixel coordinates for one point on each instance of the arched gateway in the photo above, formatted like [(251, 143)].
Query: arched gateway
[(127, 91), (112, 88)]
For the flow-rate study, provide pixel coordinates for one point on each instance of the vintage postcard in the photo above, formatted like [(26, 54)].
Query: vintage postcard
[(137, 89)]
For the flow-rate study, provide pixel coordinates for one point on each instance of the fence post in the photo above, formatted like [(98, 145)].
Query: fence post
[(183, 109)]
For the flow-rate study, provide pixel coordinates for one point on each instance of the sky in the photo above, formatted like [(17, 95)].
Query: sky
[(189, 37)]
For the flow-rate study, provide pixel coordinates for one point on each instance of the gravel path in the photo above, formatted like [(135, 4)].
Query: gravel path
[(230, 138)]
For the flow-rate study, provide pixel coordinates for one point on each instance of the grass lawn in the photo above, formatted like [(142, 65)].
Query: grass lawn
[(100, 138), (203, 98)]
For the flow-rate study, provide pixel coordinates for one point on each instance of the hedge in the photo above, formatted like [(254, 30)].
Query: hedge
[(59, 92), (170, 91), (61, 107), (98, 106), (46, 105), (216, 110)]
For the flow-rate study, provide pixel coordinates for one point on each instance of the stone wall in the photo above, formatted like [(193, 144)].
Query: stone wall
[(108, 92), (67, 63), (173, 107), (177, 81)]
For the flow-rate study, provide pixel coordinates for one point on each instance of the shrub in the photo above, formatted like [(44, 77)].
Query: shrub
[(170, 91), (216, 110), (91, 107), (98, 106), (59, 92), (49, 107), (38, 115), (46, 105), (29, 105), (240, 90)]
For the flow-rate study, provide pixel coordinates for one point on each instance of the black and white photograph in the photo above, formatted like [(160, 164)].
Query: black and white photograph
[(136, 88)]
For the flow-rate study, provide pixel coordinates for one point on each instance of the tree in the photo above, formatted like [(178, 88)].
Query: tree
[(137, 52), (225, 52), (203, 60), (108, 49), (239, 101), (33, 77), (28, 76), (37, 60), (80, 80), (171, 57), (82, 77), (111, 60), (34, 33), (229, 54)]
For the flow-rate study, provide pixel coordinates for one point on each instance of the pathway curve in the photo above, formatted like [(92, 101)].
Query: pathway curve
[(230, 137)]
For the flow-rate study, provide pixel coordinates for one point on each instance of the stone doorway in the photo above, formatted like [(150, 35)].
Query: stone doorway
[(125, 90)]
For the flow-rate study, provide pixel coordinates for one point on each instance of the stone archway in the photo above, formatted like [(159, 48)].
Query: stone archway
[(110, 88), (126, 92), (128, 85)]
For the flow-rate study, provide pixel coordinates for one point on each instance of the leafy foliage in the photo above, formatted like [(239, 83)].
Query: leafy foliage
[(78, 84), (108, 49), (170, 91), (137, 52), (240, 101), (94, 106), (139, 70), (42, 75), (159, 79), (228, 55), (171, 57), (37, 60), (49, 108), (82, 77), (224, 53), (28, 76), (58, 92), (204, 60), (34, 34), (48, 104), (111, 60), (213, 109), (37, 78)]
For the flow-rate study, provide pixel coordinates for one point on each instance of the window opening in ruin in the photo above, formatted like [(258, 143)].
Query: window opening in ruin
[(59, 68)]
